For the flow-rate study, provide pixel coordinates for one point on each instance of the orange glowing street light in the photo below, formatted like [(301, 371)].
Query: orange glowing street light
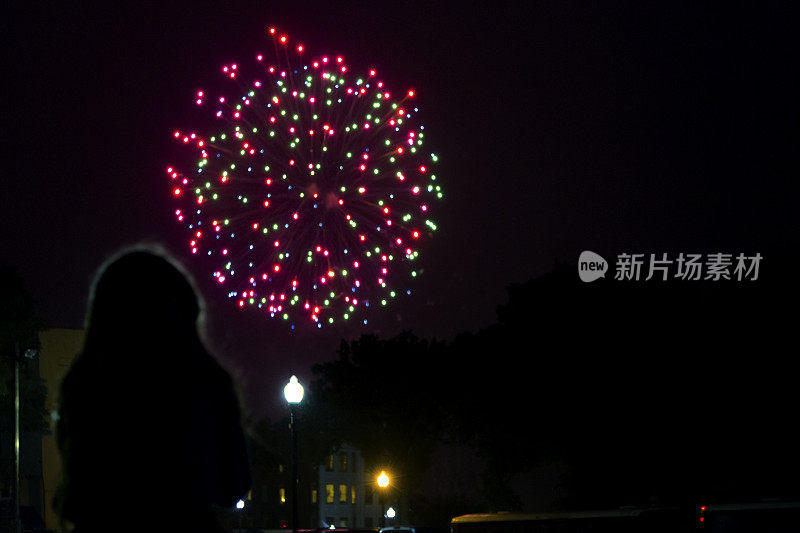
[(383, 482)]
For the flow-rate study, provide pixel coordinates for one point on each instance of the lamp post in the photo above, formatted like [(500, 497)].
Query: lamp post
[(16, 527), (383, 484), (240, 509), (293, 392)]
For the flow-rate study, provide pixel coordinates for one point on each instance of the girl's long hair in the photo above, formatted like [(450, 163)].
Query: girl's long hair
[(142, 299)]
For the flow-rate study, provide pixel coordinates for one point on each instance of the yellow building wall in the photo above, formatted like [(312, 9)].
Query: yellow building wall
[(59, 348)]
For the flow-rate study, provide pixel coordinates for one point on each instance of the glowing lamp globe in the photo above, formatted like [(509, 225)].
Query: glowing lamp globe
[(293, 391), (383, 480)]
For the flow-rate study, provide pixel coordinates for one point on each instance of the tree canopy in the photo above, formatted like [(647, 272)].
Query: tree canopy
[(635, 393)]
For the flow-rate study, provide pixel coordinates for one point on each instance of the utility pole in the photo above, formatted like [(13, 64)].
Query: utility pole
[(17, 525)]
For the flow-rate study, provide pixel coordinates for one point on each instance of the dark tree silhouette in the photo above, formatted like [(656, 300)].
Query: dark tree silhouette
[(647, 391), (386, 395), (633, 393)]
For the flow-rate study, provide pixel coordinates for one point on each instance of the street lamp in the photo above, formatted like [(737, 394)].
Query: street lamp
[(29, 354), (383, 480), (383, 483), (240, 508), (293, 392)]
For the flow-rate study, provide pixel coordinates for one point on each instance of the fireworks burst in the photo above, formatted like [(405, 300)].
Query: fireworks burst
[(312, 195)]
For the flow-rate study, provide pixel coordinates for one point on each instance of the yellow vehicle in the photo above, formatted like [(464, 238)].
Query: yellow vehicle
[(625, 520), (756, 517)]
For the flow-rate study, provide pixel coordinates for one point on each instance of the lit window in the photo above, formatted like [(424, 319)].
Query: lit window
[(313, 495), (343, 462), (342, 493), (329, 493), (280, 468), (329, 466), (353, 494), (282, 493)]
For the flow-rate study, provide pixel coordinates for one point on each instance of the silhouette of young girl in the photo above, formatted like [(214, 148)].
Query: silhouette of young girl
[(149, 424)]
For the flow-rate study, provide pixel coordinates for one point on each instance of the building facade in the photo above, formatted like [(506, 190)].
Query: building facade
[(346, 494)]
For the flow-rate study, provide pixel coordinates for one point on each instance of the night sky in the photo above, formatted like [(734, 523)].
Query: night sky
[(611, 127)]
